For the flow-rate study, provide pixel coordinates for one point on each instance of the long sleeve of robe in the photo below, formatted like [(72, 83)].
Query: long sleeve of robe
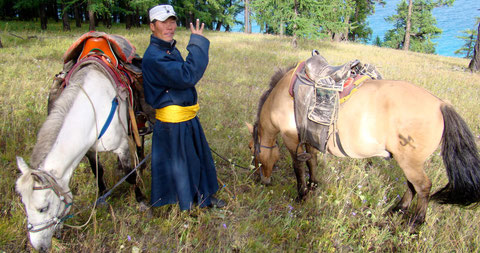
[(183, 170)]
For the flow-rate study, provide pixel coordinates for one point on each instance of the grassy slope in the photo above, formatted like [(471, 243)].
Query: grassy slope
[(346, 213)]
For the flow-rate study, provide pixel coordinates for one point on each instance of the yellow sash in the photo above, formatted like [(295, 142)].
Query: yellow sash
[(176, 113)]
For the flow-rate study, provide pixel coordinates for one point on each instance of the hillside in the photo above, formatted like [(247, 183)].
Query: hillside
[(345, 214)]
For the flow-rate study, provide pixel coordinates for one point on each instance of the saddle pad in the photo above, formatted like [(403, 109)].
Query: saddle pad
[(122, 48), (351, 86)]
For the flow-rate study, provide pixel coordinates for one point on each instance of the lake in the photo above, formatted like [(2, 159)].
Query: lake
[(452, 20)]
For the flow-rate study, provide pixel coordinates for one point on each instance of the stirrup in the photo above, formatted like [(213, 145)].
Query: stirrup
[(143, 124)]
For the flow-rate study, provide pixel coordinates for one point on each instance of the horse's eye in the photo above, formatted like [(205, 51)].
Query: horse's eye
[(42, 210)]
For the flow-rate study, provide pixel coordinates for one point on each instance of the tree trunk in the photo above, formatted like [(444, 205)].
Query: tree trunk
[(76, 13), (1, 46), (295, 27), (470, 44), (475, 62), (406, 42), (347, 28), (66, 22), (91, 17), (54, 11), (219, 26), (43, 17), (337, 37), (247, 17), (128, 21), (137, 17)]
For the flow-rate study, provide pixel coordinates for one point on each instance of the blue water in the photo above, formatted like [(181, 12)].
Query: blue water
[(452, 20)]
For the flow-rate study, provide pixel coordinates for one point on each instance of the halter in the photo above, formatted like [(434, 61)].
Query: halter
[(256, 141), (54, 221), (257, 146)]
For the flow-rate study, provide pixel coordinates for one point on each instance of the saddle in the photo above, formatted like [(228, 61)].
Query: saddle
[(118, 58), (318, 89)]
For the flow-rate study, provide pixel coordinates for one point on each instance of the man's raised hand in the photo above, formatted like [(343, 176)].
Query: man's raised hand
[(197, 29)]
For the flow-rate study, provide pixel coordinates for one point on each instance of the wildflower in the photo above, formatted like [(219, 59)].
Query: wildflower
[(224, 225), (354, 213), (129, 238)]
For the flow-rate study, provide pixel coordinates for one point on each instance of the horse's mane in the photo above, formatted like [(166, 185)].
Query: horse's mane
[(50, 129), (277, 76)]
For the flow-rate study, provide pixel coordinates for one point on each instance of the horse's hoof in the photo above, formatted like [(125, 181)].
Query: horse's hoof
[(396, 209), (414, 227), (142, 207), (312, 185)]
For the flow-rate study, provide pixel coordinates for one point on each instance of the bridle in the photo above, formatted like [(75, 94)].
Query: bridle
[(61, 215), (257, 147)]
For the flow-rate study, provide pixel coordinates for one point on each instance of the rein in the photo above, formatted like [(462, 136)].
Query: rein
[(102, 199), (59, 218)]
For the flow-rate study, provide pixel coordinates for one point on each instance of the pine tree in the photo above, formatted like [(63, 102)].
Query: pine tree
[(359, 29), (469, 37), (422, 26), (475, 62)]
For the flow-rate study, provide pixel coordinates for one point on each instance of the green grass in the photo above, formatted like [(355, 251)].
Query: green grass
[(345, 214)]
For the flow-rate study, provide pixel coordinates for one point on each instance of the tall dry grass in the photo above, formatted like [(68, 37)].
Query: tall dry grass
[(345, 214)]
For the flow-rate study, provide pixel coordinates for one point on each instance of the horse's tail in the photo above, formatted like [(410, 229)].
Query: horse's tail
[(461, 159)]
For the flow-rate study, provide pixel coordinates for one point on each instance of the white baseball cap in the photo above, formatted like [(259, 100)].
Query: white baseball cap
[(161, 12)]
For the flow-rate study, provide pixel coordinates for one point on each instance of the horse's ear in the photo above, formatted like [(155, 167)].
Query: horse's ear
[(22, 165), (250, 127)]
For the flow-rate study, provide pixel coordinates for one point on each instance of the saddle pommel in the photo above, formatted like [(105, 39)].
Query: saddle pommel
[(98, 45)]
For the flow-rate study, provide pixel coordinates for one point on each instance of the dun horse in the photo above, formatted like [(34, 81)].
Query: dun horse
[(73, 127), (383, 118)]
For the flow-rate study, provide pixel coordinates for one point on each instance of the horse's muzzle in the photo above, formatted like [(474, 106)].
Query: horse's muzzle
[(265, 180)]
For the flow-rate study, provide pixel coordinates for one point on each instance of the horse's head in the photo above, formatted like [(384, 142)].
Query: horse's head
[(46, 204), (265, 155)]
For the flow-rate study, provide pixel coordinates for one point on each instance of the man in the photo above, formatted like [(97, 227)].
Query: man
[(183, 170)]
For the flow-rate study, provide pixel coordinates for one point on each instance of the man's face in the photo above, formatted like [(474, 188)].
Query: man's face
[(164, 30)]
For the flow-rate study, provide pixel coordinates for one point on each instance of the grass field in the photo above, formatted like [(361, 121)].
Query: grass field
[(345, 214)]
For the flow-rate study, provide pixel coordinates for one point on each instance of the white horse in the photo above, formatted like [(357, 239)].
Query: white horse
[(72, 128)]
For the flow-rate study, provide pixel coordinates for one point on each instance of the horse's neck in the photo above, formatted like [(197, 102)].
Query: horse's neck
[(273, 117), (81, 124)]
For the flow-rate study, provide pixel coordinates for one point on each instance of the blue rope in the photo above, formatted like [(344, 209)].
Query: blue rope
[(110, 117)]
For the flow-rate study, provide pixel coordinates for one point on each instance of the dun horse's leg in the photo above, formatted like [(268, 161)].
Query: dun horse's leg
[(404, 203), (312, 167), (299, 169), (93, 164), (422, 185)]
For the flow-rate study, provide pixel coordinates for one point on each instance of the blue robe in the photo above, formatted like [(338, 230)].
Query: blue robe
[(183, 170)]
